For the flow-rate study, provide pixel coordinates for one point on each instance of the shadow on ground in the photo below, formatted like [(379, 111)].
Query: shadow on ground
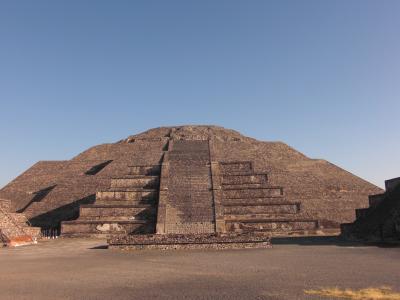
[(100, 247), (329, 240)]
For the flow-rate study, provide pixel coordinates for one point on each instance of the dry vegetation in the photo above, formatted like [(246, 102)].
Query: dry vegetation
[(382, 293)]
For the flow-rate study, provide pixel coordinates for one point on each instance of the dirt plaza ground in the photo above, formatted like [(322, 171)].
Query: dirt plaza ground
[(84, 269)]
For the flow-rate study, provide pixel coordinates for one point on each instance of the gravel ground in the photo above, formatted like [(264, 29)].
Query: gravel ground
[(84, 269)]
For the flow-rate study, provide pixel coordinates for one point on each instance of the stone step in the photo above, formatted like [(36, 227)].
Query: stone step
[(189, 146), (187, 151), (391, 184), (195, 161), (118, 205), (234, 193), (202, 215), (236, 168), (135, 181), (193, 168), (378, 222), (243, 186), (375, 200), (244, 179), (152, 170), (126, 202), (346, 229), (120, 218), (199, 157), (132, 189), (257, 217), (191, 179), (289, 208), (279, 225), (255, 201), (134, 195), (189, 241), (362, 212), (126, 211), (105, 221), (105, 227)]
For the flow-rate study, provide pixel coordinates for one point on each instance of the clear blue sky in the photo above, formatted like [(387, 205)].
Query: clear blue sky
[(322, 76)]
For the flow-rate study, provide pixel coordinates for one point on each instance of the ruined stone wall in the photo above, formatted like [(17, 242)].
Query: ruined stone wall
[(14, 228)]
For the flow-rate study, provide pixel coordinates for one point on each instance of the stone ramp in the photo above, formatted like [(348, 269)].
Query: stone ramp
[(14, 228), (381, 220)]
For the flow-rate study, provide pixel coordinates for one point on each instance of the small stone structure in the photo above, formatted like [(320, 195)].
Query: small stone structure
[(14, 228), (189, 184), (381, 220)]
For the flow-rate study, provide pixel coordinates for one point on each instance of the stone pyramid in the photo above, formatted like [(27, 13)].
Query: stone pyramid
[(188, 180)]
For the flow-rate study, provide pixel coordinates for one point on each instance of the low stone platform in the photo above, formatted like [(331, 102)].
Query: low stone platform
[(189, 241)]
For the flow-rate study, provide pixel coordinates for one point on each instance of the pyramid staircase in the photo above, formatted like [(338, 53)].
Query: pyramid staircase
[(189, 199), (128, 207), (381, 220), (218, 205), (186, 213), (250, 204), (14, 227)]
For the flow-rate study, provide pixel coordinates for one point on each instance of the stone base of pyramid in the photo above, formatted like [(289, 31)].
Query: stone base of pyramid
[(189, 241)]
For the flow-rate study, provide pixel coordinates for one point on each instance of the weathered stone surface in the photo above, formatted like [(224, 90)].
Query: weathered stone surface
[(14, 229), (380, 221), (188, 206), (189, 241), (192, 180), (129, 207), (52, 191)]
